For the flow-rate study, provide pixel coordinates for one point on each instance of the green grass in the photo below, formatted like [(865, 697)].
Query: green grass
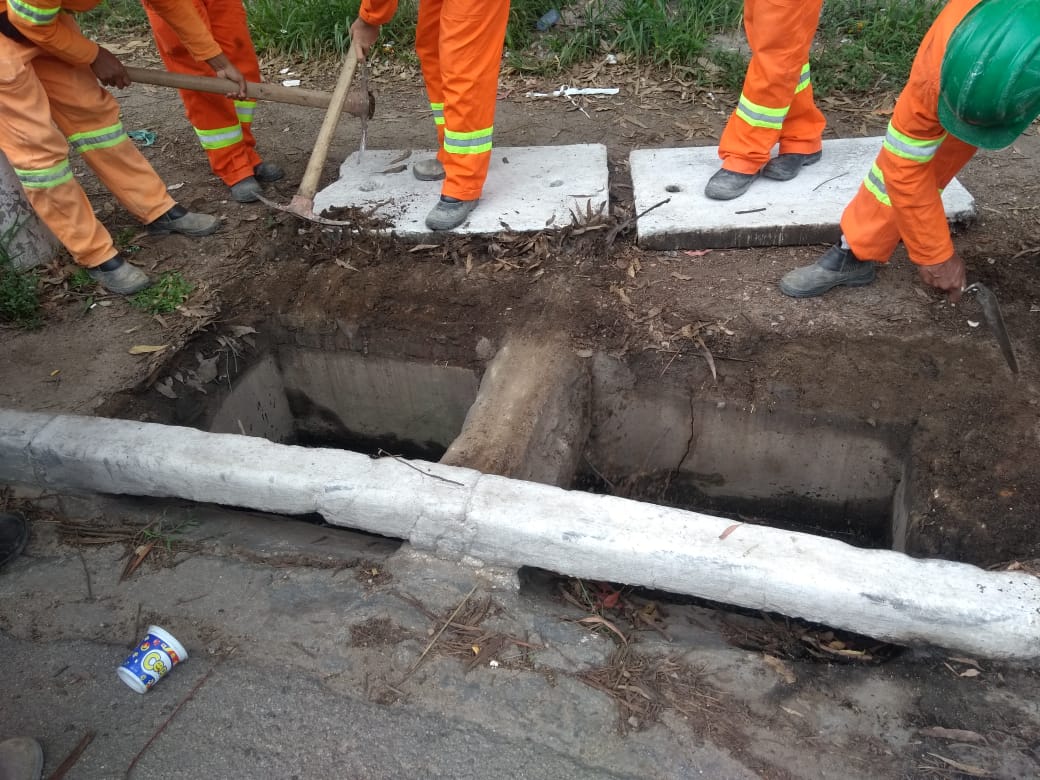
[(19, 289), (170, 290), (862, 45), (80, 280)]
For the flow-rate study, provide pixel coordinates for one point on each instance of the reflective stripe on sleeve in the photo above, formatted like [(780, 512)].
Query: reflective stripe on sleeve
[(875, 184), (91, 140), (32, 14), (46, 177), (920, 150)]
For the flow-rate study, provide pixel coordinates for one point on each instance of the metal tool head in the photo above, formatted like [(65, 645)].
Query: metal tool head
[(304, 209), (995, 320)]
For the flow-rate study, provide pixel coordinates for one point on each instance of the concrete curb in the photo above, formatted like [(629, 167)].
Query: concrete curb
[(462, 514)]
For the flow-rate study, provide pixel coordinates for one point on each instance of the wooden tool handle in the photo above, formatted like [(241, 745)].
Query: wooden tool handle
[(309, 183), (254, 91)]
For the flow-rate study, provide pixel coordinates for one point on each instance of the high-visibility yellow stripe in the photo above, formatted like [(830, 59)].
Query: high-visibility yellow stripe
[(875, 184), (32, 14), (804, 80), (761, 116), (468, 142), (91, 140), (220, 138), (245, 110), (45, 178), (438, 113), (920, 150)]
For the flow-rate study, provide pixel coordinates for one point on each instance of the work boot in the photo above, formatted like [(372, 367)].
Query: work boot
[(246, 191), (14, 533), (835, 267), (785, 167), (727, 185), (180, 220), (267, 172), (21, 758), (449, 213), (428, 170), (119, 277)]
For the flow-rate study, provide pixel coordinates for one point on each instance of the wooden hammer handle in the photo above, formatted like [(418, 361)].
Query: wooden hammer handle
[(254, 91)]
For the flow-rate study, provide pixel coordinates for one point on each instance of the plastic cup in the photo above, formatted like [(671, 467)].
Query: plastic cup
[(151, 660)]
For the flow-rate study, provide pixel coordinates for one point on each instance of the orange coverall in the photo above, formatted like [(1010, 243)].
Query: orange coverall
[(459, 43), (221, 124), (901, 196), (776, 102), (46, 81)]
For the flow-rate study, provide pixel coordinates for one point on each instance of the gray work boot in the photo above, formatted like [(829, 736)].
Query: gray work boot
[(21, 758), (785, 167), (14, 534), (119, 277), (727, 185), (246, 191), (267, 172), (835, 267), (449, 213), (428, 170), (180, 220)]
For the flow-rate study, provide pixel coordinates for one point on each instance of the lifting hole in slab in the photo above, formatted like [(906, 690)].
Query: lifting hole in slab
[(556, 183), (369, 186), (342, 400), (799, 471), (673, 188)]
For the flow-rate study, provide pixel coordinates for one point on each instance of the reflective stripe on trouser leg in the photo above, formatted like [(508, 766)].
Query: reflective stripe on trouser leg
[(474, 142), (776, 97), (220, 137), (89, 140), (226, 20), (45, 178), (245, 110)]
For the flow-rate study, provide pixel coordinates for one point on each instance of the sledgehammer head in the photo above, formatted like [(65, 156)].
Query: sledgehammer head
[(360, 104)]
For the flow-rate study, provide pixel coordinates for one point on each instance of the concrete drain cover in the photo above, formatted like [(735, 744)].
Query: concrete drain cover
[(772, 213), (527, 189)]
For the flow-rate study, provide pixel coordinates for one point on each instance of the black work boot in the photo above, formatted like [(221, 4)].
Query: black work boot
[(119, 277), (727, 185), (180, 220), (21, 758), (785, 167), (835, 267), (14, 534)]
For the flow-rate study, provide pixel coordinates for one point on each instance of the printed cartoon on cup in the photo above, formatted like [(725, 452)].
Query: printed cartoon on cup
[(151, 659)]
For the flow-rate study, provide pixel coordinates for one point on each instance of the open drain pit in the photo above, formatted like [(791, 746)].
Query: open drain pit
[(344, 400), (795, 470)]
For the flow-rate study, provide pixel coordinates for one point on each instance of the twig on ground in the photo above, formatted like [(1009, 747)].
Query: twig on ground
[(399, 459), (72, 758), (86, 571), (171, 716), (621, 228), (438, 634)]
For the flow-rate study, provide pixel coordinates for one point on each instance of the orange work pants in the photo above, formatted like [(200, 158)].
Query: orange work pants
[(776, 102), (459, 43), (43, 101), (223, 126), (873, 228)]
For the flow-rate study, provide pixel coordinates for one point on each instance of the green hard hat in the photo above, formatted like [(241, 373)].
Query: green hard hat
[(989, 88)]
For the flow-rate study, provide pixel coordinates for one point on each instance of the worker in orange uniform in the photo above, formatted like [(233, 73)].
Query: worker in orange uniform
[(975, 82), (776, 102), (223, 126), (50, 99), (459, 43)]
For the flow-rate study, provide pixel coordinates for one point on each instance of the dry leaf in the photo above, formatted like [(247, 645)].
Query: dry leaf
[(696, 252), (144, 349), (729, 530), (595, 619), (782, 669), (970, 673), (789, 711), (968, 661), (475, 649), (968, 769), (958, 735)]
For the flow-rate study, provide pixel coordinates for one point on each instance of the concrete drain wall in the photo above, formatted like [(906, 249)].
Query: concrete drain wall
[(798, 470), (346, 401)]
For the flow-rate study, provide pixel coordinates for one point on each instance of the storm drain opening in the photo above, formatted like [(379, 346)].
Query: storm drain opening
[(798, 470), (344, 400)]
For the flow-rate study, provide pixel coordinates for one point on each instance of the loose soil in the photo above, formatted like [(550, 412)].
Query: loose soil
[(893, 352)]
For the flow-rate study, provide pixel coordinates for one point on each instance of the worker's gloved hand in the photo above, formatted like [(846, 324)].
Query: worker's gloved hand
[(223, 68), (948, 276), (362, 36), (109, 70)]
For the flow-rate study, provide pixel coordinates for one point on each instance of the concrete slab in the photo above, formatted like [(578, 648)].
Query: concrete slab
[(806, 210), (528, 187)]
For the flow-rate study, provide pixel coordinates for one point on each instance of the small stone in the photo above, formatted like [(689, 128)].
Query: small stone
[(485, 349)]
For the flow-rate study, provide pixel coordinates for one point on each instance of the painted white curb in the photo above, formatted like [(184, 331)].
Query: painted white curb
[(461, 513)]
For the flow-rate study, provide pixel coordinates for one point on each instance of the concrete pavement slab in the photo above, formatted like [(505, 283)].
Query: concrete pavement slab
[(528, 188), (805, 210)]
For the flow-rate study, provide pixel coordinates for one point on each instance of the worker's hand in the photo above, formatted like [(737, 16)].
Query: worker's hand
[(223, 68), (948, 276), (362, 36), (109, 70)]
